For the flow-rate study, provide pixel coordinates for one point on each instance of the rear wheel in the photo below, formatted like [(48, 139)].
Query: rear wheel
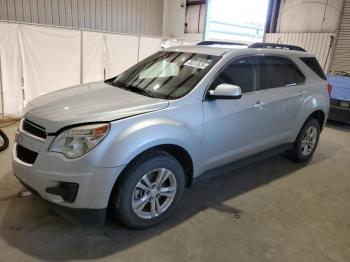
[(149, 191), (306, 142)]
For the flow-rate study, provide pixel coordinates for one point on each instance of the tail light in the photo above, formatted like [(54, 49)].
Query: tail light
[(329, 88)]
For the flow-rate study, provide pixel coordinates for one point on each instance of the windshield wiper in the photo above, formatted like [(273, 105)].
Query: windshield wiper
[(131, 88), (139, 91)]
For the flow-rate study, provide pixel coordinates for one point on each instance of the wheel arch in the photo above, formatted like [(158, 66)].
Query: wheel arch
[(320, 116), (177, 151), (180, 153)]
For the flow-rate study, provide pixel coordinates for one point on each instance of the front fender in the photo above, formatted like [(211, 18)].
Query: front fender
[(129, 139)]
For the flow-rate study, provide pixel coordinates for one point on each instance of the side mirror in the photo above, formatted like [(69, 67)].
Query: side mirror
[(225, 91)]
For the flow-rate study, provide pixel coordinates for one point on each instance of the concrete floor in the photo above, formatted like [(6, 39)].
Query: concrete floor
[(273, 210)]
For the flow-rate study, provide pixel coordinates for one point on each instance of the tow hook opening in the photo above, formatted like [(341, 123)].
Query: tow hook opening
[(67, 190)]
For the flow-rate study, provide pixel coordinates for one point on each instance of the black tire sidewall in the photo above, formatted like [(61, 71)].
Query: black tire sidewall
[(122, 199), (5, 141), (297, 148)]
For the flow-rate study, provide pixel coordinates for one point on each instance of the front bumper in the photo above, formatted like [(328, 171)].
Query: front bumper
[(85, 216), (91, 198), (94, 189), (76, 187)]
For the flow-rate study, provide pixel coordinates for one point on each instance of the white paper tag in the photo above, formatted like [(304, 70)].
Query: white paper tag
[(196, 64)]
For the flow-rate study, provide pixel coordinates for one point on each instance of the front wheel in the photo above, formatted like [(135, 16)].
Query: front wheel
[(149, 191), (306, 142)]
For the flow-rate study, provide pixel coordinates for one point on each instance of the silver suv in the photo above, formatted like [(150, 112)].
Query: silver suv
[(134, 142)]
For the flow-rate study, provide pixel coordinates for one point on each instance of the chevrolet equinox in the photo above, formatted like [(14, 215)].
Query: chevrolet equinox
[(134, 142)]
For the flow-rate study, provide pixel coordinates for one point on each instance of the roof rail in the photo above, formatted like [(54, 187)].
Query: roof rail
[(219, 43), (277, 46)]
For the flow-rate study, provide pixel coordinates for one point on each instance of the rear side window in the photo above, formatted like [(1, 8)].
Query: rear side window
[(241, 72), (279, 72), (312, 63)]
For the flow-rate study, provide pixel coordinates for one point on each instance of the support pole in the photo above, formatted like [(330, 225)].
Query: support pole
[(2, 94), (138, 49), (104, 57), (81, 58), (207, 20)]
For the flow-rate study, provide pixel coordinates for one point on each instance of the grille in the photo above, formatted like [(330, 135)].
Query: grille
[(26, 155), (34, 129)]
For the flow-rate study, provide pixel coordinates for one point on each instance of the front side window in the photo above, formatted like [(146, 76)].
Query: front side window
[(166, 75), (279, 72), (241, 72)]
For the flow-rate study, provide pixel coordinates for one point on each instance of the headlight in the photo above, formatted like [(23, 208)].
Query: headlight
[(77, 141)]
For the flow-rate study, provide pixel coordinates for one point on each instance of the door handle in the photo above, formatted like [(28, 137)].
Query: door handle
[(258, 104)]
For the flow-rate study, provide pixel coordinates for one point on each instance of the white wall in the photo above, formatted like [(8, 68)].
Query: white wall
[(312, 16), (40, 59)]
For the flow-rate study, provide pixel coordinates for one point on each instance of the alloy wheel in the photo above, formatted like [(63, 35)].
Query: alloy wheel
[(309, 141), (154, 193)]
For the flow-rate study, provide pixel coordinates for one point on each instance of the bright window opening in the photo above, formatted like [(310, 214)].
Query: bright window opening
[(236, 20)]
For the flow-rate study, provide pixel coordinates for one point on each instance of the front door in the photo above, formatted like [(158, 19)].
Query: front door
[(235, 128)]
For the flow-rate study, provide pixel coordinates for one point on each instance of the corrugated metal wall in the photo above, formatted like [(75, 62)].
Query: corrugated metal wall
[(341, 59), (125, 16), (195, 16), (315, 43), (174, 18)]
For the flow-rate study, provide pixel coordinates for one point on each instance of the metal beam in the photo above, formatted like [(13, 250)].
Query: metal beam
[(2, 94)]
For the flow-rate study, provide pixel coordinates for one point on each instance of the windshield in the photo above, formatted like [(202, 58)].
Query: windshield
[(167, 75)]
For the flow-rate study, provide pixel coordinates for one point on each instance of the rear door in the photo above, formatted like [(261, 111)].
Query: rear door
[(281, 80)]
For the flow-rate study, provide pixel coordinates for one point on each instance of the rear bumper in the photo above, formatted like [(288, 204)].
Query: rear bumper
[(339, 114)]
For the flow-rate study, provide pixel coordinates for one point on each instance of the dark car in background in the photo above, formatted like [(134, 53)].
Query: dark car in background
[(340, 97)]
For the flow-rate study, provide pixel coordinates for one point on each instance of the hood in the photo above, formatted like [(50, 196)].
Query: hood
[(86, 103)]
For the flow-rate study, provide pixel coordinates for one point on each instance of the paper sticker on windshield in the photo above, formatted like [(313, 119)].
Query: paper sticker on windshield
[(196, 64)]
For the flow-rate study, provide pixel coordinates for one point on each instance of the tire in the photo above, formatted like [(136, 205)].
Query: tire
[(304, 148), (4, 141), (132, 192)]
